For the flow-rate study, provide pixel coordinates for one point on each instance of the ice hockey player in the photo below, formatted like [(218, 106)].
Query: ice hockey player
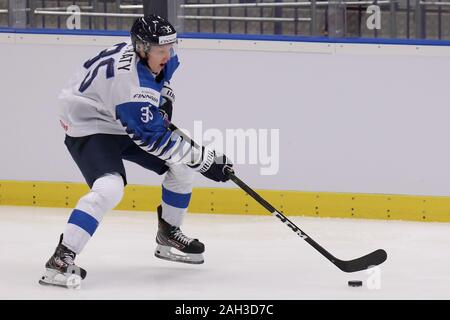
[(118, 107)]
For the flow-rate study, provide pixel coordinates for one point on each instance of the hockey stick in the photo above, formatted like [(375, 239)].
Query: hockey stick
[(372, 259)]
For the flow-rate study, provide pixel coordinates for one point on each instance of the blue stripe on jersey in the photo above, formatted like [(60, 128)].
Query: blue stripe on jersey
[(84, 220), (162, 140), (174, 199), (167, 148), (146, 78), (171, 66)]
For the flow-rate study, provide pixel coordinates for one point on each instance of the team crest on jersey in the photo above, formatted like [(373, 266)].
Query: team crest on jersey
[(146, 114), (147, 95)]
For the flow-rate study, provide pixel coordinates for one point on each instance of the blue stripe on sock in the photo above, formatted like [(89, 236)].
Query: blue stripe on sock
[(178, 200), (84, 220)]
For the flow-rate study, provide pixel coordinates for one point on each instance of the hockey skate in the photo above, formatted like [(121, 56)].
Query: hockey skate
[(170, 237), (61, 270)]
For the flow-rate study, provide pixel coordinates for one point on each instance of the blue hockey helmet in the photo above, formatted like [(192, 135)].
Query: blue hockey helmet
[(152, 30)]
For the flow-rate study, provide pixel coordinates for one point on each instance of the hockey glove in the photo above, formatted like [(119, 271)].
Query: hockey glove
[(215, 166), (167, 101), (166, 109)]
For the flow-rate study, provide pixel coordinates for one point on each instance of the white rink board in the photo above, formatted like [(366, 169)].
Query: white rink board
[(352, 117)]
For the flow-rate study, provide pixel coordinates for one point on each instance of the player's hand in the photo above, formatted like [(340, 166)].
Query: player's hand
[(219, 168)]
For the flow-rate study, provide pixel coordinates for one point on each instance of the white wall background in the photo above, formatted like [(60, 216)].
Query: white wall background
[(352, 118)]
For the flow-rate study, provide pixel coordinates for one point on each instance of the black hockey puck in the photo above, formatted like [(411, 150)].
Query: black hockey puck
[(355, 283)]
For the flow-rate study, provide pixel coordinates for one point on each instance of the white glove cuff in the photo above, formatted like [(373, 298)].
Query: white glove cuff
[(168, 93), (202, 159)]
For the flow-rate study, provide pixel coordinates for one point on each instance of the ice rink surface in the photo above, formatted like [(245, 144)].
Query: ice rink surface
[(247, 257)]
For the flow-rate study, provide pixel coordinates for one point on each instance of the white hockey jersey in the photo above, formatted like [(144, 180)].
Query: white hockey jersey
[(115, 93)]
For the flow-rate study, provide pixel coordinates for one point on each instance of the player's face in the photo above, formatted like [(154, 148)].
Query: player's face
[(158, 56)]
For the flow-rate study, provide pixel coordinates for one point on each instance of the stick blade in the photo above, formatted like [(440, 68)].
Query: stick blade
[(372, 259)]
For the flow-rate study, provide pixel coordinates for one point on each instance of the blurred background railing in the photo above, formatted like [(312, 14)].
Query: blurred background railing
[(398, 19)]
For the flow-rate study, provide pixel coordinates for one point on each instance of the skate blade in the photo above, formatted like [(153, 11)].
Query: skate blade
[(165, 253), (58, 279)]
